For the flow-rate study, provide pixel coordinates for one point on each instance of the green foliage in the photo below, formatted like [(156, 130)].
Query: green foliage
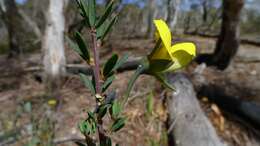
[(149, 104), (88, 126), (88, 83), (92, 12), (115, 110), (107, 13), (118, 124), (161, 77), (81, 47), (103, 30), (110, 64), (120, 62), (108, 82)]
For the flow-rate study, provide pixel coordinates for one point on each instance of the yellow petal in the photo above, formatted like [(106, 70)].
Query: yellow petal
[(160, 53), (182, 54), (164, 32)]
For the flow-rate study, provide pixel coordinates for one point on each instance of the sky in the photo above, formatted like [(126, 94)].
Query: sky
[(21, 1)]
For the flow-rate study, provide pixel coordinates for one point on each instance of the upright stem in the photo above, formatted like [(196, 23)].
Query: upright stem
[(96, 61), (96, 69)]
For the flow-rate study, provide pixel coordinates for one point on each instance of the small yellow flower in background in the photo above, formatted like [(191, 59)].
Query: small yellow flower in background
[(52, 102), (168, 57)]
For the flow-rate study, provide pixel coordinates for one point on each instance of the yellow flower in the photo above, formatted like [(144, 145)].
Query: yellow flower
[(168, 57), (52, 102)]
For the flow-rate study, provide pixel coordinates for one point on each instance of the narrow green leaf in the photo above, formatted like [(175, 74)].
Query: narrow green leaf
[(106, 14), (108, 28), (102, 110), (140, 69), (120, 62), (110, 64), (118, 124), (92, 12), (163, 80), (116, 109), (103, 30), (107, 83), (83, 47), (73, 45), (149, 104), (87, 83)]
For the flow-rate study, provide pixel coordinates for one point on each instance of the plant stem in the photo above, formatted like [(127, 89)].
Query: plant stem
[(96, 61), (96, 69)]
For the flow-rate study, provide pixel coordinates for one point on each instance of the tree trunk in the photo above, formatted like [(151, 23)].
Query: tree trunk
[(228, 40), (172, 12), (151, 14), (11, 18), (53, 46)]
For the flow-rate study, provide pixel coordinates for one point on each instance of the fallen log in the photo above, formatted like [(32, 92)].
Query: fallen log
[(187, 122), (247, 112)]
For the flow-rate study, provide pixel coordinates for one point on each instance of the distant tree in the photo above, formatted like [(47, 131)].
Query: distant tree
[(53, 46), (150, 17), (228, 40), (11, 18), (172, 12)]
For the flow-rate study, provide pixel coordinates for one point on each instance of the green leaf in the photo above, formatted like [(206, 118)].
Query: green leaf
[(84, 51), (116, 109), (118, 124), (108, 82), (82, 4), (120, 62), (163, 80), (102, 110), (140, 69), (92, 12), (149, 104), (91, 115), (106, 14), (103, 30), (84, 127), (110, 64), (87, 83)]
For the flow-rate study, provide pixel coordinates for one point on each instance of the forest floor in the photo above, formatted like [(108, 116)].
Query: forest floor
[(19, 87)]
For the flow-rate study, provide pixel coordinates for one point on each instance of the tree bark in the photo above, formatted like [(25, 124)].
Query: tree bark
[(53, 46), (228, 40), (151, 14), (11, 18), (187, 124), (172, 12)]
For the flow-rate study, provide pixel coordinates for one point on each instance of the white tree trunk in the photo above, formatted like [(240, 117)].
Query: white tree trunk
[(172, 12), (53, 42)]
